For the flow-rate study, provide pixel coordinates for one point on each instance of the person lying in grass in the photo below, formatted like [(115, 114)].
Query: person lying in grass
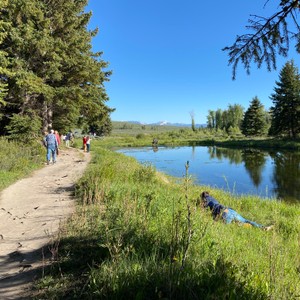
[(227, 214)]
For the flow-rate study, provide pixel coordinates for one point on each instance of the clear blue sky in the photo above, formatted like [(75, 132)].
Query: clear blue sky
[(167, 60)]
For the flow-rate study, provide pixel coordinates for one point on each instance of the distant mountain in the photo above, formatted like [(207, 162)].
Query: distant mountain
[(165, 123)]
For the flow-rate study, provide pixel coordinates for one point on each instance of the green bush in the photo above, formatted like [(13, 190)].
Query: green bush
[(140, 136), (24, 128)]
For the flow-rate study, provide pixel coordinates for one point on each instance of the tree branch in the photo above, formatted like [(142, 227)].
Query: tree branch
[(271, 37)]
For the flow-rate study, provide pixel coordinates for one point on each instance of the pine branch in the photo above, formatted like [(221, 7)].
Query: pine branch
[(271, 36)]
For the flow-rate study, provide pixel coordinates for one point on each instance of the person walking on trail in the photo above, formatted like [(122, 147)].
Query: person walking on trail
[(84, 143), (227, 214), (88, 143), (68, 139), (57, 136), (52, 146)]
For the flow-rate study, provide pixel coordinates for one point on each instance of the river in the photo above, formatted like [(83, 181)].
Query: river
[(268, 174)]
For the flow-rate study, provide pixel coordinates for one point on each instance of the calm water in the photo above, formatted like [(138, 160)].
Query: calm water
[(247, 171)]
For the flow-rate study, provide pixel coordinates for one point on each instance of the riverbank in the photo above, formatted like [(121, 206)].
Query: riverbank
[(137, 234), (190, 138)]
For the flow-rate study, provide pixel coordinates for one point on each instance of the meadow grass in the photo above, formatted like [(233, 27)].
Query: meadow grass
[(138, 234), (18, 160), (134, 135)]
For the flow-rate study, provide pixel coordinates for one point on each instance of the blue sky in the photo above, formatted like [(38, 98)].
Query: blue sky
[(167, 59)]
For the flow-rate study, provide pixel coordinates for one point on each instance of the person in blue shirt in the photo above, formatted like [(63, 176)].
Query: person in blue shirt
[(227, 214), (52, 145)]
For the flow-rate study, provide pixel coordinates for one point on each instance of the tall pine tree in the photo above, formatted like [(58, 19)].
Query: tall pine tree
[(4, 27), (53, 70), (286, 100), (255, 120)]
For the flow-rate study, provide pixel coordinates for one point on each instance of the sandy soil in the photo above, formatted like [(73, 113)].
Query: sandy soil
[(31, 211)]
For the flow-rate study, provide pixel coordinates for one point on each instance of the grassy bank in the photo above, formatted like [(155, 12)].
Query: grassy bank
[(187, 137), (18, 160), (138, 234)]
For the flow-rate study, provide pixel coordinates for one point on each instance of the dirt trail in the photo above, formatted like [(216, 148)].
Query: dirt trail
[(31, 211)]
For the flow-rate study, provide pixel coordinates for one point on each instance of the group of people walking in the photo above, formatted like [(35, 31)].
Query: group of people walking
[(52, 140)]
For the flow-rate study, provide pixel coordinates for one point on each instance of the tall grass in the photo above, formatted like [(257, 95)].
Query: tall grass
[(138, 234), (201, 137), (18, 160)]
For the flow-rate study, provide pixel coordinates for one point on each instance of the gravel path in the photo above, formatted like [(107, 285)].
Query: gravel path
[(31, 211)]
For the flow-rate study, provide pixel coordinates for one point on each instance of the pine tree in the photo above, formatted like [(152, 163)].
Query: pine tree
[(255, 122), (4, 27), (286, 100), (53, 70)]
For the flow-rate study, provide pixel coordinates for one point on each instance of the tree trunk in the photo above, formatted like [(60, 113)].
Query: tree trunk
[(46, 115)]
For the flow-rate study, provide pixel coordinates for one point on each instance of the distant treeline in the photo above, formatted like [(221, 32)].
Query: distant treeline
[(282, 119)]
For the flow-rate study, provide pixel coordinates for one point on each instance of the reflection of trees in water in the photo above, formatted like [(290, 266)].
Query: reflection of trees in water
[(254, 164), (254, 160), (233, 155), (286, 176)]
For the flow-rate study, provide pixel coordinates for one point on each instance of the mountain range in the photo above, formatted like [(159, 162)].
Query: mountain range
[(165, 123)]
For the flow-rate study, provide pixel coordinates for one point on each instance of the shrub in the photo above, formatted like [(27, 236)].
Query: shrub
[(24, 128)]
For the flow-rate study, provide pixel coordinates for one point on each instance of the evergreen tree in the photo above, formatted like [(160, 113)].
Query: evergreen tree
[(4, 27), (52, 69), (22, 46), (3, 92), (286, 100), (255, 122), (101, 125)]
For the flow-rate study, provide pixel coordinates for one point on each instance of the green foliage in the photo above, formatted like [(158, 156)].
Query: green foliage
[(3, 93), (255, 121), (286, 100), (101, 124), (48, 66), (229, 120), (145, 173), (140, 136), (18, 160), (176, 136), (270, 37), (211, 119), (24, 128)]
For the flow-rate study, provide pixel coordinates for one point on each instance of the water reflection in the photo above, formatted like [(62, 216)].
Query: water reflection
[(243, 171), (233, 156), (286, 174), (254, 161)]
